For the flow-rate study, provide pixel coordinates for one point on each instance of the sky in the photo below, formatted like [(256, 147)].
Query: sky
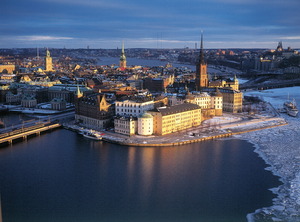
[(149, 23)]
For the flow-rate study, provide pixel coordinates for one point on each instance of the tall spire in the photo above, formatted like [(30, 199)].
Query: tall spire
[(123, 51), (201, 50), (123, 58), (201, 80)]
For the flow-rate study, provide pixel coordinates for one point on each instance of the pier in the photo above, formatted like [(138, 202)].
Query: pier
[(23, 133)]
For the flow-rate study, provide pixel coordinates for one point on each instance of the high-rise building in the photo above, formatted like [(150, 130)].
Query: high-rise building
[(48, 62), (201, 80), (123, 59)]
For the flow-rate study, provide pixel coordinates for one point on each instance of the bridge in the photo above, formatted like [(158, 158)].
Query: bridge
[(23, 133)]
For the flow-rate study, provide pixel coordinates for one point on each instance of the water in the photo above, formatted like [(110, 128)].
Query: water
[(62, 176)]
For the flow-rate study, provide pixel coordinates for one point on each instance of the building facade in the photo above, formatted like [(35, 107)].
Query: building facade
[(133, 107), (145, 124), (93, 111), (125, 125), (176, 118)]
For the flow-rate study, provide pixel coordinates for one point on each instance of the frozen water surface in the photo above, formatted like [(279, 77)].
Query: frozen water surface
[(280, 147)]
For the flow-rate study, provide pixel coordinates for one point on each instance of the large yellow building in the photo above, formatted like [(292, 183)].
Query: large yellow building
[(173, 119), (7, 69), (232, 100)]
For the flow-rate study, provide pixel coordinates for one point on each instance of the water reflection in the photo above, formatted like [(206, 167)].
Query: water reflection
[(83, 180)]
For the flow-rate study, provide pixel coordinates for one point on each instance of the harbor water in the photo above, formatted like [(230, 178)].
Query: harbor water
[(62, 176)]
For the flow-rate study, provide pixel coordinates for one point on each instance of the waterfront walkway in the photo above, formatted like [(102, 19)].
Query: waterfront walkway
[(218, 127)]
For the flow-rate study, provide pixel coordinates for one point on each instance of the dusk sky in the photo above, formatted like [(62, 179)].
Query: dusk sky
[(149, 24)]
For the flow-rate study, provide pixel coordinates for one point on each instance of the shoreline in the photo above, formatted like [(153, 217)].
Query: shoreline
[(286, 204), (217, 136)]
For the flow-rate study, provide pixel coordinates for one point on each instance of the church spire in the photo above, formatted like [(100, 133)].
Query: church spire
[(201, 80), (201, 51), (123, 58)]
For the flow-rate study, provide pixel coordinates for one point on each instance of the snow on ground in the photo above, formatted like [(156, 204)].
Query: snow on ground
[(280, 148)]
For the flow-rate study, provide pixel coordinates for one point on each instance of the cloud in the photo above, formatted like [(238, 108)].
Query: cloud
[(291, 37), (41, 38)]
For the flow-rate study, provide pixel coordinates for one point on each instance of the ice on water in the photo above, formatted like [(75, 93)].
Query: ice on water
[(280, 147)]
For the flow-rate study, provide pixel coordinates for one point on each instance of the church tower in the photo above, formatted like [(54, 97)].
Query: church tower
[(123, 59), (201, 80), (48, 61)]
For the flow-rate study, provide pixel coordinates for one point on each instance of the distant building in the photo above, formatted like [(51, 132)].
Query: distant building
[(68, 92), (7, 69), (48, 62), (228, 83), (158, 84)]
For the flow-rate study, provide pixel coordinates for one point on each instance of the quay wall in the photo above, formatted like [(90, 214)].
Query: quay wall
[(188, 141)]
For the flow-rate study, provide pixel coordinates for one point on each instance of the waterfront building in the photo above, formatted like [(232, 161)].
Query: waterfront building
[(123, 62), (58, 104), (4, 89), (48, 62), (28, 101), (125, 125), (134, 107), (145, 124), (93, 111), (176, 118), (11, 98)]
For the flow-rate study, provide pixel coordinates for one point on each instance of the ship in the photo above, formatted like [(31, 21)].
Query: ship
[(291, 108), (90, 134)]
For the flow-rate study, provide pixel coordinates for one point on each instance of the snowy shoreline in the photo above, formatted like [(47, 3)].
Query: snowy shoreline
[(280, 148)]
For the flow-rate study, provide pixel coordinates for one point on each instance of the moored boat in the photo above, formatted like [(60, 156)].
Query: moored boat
[(92, 135), (291, 108)]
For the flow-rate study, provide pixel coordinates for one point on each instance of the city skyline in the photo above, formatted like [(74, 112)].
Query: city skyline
[(155, 24)]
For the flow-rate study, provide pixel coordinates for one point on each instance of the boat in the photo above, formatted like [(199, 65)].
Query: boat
[(92, 135), (291, 108)]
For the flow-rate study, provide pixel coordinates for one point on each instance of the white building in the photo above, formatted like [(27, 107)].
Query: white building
[(133, 108), (145, 124), (125, 125)]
